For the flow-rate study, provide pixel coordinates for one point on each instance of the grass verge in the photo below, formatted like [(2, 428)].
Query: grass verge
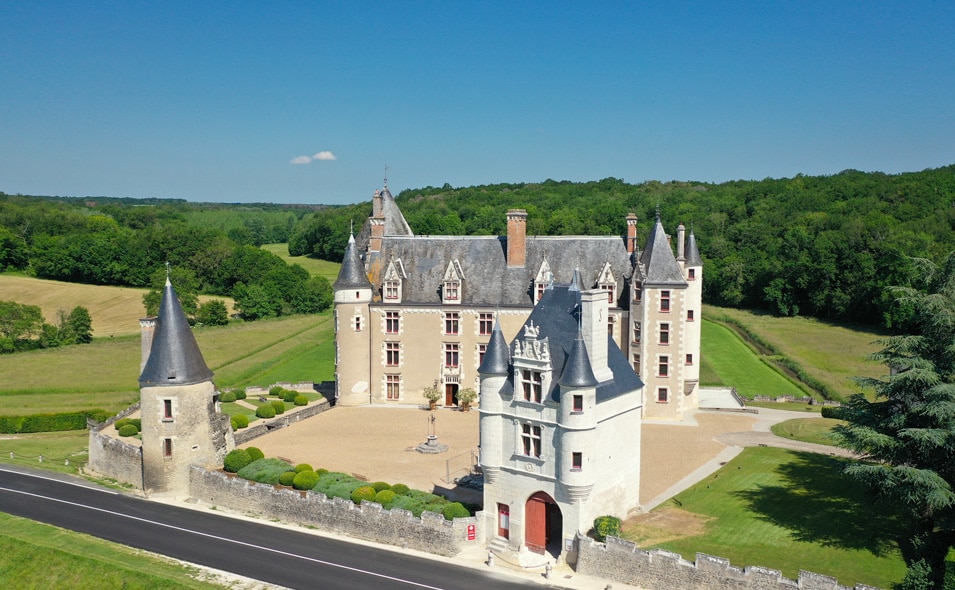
[(812, 430), (37, 555), (62, 451), (788, 511)]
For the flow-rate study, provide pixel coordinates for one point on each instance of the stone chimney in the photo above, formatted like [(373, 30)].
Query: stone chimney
[(680, 243), (631, 233), (516, 237), (147, 327), (593, 325), (377, 232), (376, 205)]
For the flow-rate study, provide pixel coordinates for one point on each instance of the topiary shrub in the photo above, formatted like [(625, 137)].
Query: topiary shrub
[(400, 489), (239, 421), (363, 493), (276, 390), (289, 396), (381, 485), (227, 397), (300, 400), (122, 422), (239, 393), (128, 430), (264, 470), (236, 460), (265, 411), (832, 412), (303, 467), (256, 453), (305, 480), (455, 510), (321, 472), (287, 478), (278, 406), (605, 526), (385, 498)]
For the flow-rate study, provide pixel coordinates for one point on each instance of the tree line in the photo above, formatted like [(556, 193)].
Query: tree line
[(822, 246), (126, 244), (23, 327)]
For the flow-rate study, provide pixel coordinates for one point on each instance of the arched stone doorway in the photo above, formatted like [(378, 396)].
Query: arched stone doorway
[(543, 524)]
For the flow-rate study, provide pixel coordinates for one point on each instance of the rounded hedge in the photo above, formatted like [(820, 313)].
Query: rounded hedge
[(300, 400), (278, 406), (236, 460), (455, 510), (321, 471), (256, 453), (128, 430), (287, 478), (305, 480), (239, 393), (122, 422), (385, 498), (400, 489), (227, 397), (605, 526), (289, 396), (265, 411), (381, 485), (276, 390), (303, 467), (363, 493), (239, 421)]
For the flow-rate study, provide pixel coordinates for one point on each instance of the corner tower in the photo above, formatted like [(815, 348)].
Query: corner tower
[(353, 294), (181, 422)]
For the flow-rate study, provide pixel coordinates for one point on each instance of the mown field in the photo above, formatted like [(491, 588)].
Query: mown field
[(783, 510), (37, 555), (115, 310), (830, 353), (318, 268)]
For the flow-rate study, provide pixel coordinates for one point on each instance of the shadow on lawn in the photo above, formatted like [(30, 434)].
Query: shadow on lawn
[(818, 504)]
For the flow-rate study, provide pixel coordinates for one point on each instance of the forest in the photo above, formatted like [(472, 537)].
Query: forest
[(820, 246)]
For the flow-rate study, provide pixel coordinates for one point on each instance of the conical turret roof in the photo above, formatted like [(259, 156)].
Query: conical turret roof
[(497, 356), (658, 261), (577, 370), (174, 358), (352, 273), (692, 252)]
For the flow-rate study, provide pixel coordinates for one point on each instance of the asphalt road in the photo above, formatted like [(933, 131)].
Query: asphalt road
[(276, 555)]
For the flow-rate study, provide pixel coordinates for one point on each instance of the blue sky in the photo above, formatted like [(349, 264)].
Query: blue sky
[(211, 101)]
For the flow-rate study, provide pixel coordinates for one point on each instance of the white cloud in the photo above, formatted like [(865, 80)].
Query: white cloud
[(325, 155), (301, 160)]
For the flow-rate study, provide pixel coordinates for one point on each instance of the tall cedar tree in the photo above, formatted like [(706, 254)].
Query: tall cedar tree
[(906, 437)]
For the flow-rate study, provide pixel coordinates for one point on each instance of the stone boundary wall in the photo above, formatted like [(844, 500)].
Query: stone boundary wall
[(114, 458), (252, 432), (430, 533), (622, 561)]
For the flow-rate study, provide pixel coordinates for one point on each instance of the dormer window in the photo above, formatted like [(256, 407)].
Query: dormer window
[(607, 282), (532, 384), (391, 283), (610, 290), (392, 290), (543, 278), (451, 292), (451, 283)]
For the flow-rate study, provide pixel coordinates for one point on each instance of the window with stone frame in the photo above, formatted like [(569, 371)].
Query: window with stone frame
[(531, 440), (393, 387), (392, 290), (637, 291), (392, 322), (611, 324), (167, 410), (665, 301), (690, 315), (689, 359), (664, 334), (637, 327), (636, 363), (451, 291), (451, 353), (482, 350), (691, 274), (663, 395), (578, 401), (532, 384), (167, 447), (539, 291), (577, 461), (485, 323), (392, 354), (663, 368), (610, 289), (452, 323)]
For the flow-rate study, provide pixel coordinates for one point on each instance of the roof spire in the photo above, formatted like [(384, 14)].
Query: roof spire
[(175, 358), (167, 274), (386, 175)]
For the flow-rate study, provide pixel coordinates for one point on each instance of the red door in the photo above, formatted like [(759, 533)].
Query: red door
[(450, 394), (503, 521), (535, 523)]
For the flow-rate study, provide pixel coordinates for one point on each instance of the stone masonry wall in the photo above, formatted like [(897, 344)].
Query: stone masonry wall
[(312, 409), (622, 561), (430, 532), (115, 459)]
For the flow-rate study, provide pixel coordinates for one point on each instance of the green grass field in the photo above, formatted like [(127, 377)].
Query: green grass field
[(36, 555), (790, 511), (830, 353), (736, 365), (318, 268), (813, 430)]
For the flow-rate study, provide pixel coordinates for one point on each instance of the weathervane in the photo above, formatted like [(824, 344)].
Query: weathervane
[(386, 175)]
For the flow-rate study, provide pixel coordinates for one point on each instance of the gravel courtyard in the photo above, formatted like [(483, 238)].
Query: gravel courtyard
[(377, 443)]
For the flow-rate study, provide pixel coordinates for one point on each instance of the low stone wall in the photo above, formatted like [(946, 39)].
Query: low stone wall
[(430, 533), (261, 427), (113, 458), (622, 561)]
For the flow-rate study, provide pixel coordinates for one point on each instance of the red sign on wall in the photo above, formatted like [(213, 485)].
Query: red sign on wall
[(472, 532)]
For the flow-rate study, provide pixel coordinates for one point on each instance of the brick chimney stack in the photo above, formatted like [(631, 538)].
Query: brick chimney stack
[(631, 233), (516, 237)]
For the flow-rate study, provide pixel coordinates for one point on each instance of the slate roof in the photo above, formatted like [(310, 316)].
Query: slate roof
[(497, 356), (578, 371), (487, 278), (395, 223), (692, 252), (174, 358), (352, 273), (556, 316), (657, 260)]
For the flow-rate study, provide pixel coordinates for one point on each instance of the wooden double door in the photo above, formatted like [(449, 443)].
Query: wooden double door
[(543, 523)]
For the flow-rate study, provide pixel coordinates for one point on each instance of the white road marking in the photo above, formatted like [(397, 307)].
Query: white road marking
[(227, 540)]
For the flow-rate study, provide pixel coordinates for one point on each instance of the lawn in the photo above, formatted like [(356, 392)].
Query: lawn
[(62, 451), (831, 353), (36, 555), (813, 430), (318, 268), (736, 365), (788, 511)]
